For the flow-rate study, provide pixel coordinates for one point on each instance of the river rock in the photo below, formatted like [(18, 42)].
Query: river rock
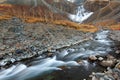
[(110, 74), (110, 57), (117, 52), (118, 65), (107, 63), (92, 58), (100, 58), (2, 48), (50, 54)]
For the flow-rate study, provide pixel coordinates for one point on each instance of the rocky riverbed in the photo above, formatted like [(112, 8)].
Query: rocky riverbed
[(44, 51), (19, 40), (56, 47), (112, 62)]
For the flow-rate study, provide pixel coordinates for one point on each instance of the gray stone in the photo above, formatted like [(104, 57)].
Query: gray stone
[(100, 58), (115, 35), (92, 57)]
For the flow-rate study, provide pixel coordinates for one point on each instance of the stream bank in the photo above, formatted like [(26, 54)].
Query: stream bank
[(21, 41), (68, 60)]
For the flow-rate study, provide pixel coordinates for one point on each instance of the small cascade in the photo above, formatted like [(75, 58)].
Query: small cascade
[(81, 15), (99, 45)]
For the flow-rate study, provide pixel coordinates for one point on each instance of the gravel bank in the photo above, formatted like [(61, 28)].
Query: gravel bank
[(115, 35), (19, 40)]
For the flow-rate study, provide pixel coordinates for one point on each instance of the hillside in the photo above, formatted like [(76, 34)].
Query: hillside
[(42, 13)]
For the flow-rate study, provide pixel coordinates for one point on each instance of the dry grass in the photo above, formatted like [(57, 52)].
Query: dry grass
[(115, 27), (5, 17)]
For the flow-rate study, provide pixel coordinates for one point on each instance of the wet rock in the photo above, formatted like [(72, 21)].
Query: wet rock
[(51, 50), (108, 63), (118, 65), (13, 60), (96, 76), (3, 63), (70, 50), (92, 58), (110, 74), (18, 51), (100, 58), (50, 54), (110, 57), (80, 62), (2, 48), (117, 52)]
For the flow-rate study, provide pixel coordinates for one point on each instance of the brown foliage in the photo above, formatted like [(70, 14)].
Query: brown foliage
[(81, 27), (5, 17), (115, 27)]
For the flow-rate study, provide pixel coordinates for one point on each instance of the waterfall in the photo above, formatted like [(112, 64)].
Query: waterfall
[(81, 14)]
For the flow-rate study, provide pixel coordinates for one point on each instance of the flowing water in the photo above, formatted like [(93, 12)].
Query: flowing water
[(67, 64), (81, 14)]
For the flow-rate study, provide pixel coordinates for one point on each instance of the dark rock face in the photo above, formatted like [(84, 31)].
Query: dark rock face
[(30, 40)]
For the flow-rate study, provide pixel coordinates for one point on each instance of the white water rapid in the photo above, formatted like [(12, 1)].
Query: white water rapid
[(100, 45)]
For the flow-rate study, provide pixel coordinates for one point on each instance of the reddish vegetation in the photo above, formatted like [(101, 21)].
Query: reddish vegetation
[(115, 27)]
